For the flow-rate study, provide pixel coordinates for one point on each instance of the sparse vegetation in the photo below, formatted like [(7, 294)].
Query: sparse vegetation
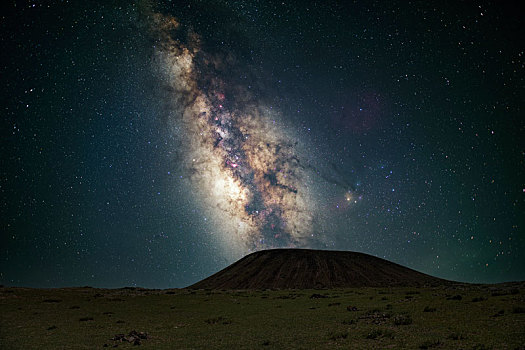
[(384, 292), (456, 336), (217, 320), (380, 333), (430, 344), (201, 319), (502, 292), (317, 296), (374, 334), (349, 322), (518, 310), (375, 316), (478, 299), (402, 320), (338, 336)]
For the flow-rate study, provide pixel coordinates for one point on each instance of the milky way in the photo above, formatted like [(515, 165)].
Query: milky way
[(150, 143), (244, 170)]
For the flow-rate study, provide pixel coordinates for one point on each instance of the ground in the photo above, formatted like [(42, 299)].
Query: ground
[(460, 317)]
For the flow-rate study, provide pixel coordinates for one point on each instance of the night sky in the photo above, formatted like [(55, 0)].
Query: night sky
[(152, 144)]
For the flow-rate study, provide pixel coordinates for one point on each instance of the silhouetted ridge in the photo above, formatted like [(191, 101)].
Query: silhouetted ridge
[(305, 269)]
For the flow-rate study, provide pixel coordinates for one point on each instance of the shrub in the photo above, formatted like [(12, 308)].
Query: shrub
[(429, 344), (338, 335), (429, 309), (501, 292), (317, 296), (376, 333), (373, 311), (404, 320), (216, 320), (349, 322), (518, 310), (476, 299), (456, 336)]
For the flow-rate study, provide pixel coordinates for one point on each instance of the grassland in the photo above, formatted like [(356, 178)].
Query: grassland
[(455, 317)]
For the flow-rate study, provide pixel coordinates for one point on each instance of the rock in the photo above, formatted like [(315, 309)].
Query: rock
[(351, 308), (132, 337), (118, 337)]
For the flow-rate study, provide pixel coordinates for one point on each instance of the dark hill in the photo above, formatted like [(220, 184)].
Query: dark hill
[(306, 269)]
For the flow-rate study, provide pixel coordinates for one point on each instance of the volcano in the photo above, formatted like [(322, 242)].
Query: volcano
[(314, 269)]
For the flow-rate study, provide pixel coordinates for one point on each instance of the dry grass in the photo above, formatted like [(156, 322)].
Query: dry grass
[(87, 318)]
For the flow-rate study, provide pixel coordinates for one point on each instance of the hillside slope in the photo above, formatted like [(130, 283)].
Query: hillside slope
[(305, 268)]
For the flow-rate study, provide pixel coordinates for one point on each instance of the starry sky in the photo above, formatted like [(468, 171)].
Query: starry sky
[(153, 143)]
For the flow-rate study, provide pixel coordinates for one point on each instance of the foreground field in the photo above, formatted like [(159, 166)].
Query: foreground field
[(457, 317)]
